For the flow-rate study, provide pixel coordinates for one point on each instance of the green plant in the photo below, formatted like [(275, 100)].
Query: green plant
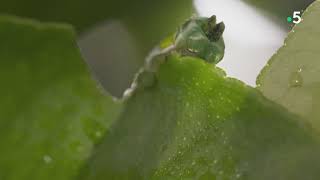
[(184, 119)]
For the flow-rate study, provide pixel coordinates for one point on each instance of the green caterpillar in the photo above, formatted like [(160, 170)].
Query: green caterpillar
[(199, 37)]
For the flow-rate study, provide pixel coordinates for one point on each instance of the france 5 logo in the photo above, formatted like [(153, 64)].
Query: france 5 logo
[(295, 18)]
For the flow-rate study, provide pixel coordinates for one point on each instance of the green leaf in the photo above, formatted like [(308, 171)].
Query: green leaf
[(189, 121), (51, 110), (292, 76)]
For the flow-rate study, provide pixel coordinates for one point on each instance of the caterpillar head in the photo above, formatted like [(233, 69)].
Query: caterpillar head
[(201, 37)]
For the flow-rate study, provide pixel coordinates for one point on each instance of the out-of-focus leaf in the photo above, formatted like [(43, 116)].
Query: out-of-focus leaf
[(188, 121), (292, 76), (51, 110), (84, 13), (146, 21)]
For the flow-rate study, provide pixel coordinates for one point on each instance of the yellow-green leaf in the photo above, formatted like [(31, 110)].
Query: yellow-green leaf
[(292, 76)]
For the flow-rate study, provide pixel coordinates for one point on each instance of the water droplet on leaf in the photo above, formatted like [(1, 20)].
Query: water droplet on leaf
[(93, 129), (47, 159), (296, 79)]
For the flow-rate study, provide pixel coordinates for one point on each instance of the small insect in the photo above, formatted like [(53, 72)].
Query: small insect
[(199, 37)]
